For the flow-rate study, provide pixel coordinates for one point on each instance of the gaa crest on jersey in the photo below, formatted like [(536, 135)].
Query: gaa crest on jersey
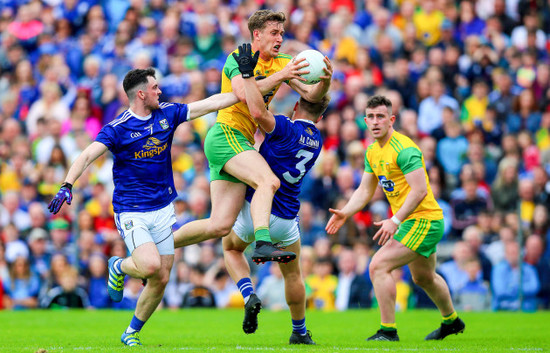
[(164, 124), (388, 185), (128, 225)]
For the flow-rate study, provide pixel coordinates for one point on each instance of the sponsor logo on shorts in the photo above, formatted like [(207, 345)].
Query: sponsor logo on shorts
[(129, 225)]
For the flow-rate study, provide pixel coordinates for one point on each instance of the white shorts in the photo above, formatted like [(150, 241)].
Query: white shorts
[(282, 230), (137, 228)]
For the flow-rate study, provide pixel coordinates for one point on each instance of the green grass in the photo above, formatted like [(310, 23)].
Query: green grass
[(220, 331)]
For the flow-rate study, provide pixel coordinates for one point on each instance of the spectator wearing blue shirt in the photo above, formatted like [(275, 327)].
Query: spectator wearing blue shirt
[(430, 111), (452, 148), (505, 281)]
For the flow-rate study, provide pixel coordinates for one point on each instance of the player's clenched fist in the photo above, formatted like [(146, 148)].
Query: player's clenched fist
[(64, 194)]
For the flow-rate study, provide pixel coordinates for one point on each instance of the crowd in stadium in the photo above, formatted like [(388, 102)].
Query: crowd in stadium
[(469, 82)]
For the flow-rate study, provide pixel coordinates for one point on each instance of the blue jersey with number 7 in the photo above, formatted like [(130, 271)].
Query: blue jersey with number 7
[(291, 150)]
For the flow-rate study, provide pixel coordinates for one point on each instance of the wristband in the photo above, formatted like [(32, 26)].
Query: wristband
[(67, 185), (395, 220)]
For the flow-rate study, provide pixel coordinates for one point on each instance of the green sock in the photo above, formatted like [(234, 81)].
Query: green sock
[(388, 327), (449, 319), (262, 234)]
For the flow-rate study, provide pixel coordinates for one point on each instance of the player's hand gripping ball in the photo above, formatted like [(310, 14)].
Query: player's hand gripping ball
[(316, 65)]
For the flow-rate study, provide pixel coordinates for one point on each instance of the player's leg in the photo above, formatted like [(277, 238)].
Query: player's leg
[(233, 247), (295, 293), (251, 168), (424, 275), (239, 270), (162, 248), (227, 198), (391, 256)]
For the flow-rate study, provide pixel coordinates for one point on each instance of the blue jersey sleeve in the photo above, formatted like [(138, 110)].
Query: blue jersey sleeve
[(107, 137), (176, 111)]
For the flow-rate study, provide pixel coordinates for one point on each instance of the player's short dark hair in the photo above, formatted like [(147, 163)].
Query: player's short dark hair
[(376, 101), (315, 109), (135, 78), (260, 19)]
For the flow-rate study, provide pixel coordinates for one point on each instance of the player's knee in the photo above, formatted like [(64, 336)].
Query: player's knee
[(150, 268), (219, 230), (375, 268), (275, 183)]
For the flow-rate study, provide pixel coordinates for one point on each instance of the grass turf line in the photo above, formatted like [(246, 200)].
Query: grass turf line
[(203, 330)]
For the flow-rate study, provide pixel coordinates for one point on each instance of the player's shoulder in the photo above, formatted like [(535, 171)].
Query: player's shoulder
[(282, 56), (400, 142), (122, 120)]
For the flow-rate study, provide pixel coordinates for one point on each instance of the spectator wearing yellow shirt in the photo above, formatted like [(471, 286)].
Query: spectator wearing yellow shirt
[(321, 286), (337, 45), (428, 22), (475, 107)]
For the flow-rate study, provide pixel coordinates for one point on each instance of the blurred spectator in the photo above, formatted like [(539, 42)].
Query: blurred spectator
[(39, 258), (474, 295), (465, 210), (321, 286), (225, 290), (530, 22), (428, 20), (526, 201), (430, 110), (198, 294), (524, 114), (310, 227), (353, 291), (49, 106), (473, 237), (506, 284), (504, 191), (272, 290), (454, 270), (12, 214), (403, 289), (178, 286), (97, 284), (22, 286), (534, 249), (68, 294), (132, 289), (14, 246)]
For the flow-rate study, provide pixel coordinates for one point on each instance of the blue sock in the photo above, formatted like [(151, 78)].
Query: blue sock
[(135, 325), (299, 326), (117, 267), (245, 286)]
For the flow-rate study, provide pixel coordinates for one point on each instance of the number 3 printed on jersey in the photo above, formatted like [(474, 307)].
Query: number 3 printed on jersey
[(301, 166)]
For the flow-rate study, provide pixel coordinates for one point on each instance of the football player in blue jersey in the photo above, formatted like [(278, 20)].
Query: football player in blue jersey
[(291, 147), (140, 140)]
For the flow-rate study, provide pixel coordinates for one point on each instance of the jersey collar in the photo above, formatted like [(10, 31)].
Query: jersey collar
[(305, 121), (144, 118)]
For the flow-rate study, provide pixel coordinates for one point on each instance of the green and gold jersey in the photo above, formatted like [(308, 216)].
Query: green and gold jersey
[(399, 156), (238, 116)]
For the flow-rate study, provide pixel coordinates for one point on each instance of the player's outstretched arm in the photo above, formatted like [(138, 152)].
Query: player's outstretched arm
[(419, 189), (314, 93), (211, 104), (356, 203), (253, 96), (90, 154)]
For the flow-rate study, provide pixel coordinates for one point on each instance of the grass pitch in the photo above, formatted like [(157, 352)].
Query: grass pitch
[(199, 330)]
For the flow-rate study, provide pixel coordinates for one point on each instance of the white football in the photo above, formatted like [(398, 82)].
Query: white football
[(315, 67)]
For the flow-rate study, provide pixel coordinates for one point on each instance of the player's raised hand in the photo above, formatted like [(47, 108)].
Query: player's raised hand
[(336, 221), (386, 231), (328, 69), (64, 194), (292, 70), (246, 61)]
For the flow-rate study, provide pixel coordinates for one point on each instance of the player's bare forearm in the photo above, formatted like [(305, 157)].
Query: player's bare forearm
[(211, 104), (256, 105), (87, 157)]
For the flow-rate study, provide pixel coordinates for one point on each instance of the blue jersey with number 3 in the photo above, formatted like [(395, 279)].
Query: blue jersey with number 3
[(291, 150), (142, 169)]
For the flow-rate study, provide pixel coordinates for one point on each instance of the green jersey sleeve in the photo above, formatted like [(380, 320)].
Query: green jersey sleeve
[(231, 68), (409, 159)]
